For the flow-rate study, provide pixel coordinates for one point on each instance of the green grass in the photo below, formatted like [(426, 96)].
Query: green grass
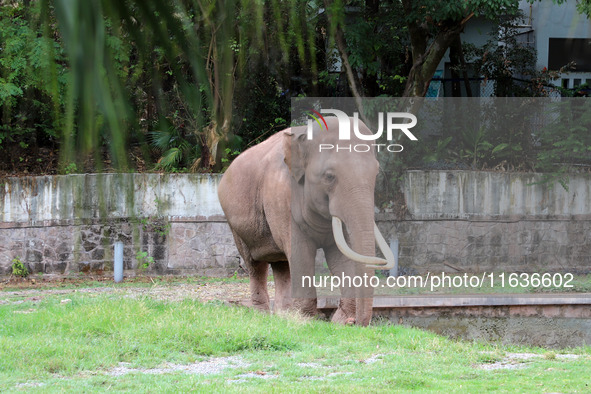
[(72, 346)]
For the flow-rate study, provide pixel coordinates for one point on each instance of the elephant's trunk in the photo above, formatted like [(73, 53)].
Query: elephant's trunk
[(361, 235), (359, 246)]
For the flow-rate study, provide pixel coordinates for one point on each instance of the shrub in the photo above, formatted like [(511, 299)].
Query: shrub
[(19, 269)]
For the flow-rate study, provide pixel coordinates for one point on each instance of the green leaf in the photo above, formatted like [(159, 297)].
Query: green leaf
[(499, 147)]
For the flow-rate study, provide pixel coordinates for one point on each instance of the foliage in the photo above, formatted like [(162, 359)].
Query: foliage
[(19, 269), (180, 86), (264, 110), (71, 168), (156, 224), (506, 62), (144, 260), (230, 155), (583, 6), (29, 105), (439, 152), (182, 95), (382, 60), (212, 41), (565, 142), (475, 145), (180, 150)]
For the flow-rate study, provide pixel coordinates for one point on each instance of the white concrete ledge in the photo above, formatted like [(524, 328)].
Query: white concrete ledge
[(430, 301)]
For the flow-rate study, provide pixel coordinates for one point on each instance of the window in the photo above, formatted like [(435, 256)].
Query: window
[(565, 83), (562, 51)]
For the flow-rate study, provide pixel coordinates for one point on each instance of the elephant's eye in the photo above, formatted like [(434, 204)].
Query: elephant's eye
[(329, 177)]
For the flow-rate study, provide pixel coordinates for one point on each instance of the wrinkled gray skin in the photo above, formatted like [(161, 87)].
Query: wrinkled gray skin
[(279, 197)]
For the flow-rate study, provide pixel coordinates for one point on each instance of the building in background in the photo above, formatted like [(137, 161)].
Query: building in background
[(560, 35)]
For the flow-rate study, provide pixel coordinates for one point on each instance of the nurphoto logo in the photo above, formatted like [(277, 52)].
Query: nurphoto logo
[(392, 120)]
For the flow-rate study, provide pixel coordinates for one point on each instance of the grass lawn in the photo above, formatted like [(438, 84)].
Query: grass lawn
[(105, 342)]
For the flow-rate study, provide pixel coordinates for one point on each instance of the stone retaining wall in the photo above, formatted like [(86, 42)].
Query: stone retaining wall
[(473, 221)]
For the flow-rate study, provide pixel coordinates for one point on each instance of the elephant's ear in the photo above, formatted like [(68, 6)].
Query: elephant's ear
[(294, 152)]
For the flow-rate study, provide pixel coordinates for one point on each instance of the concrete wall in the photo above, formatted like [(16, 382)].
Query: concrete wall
[(70, 198), (65, 224), (471, 220), (483, 221)]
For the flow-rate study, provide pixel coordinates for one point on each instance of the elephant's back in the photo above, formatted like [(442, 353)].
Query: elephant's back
[(245, 175)]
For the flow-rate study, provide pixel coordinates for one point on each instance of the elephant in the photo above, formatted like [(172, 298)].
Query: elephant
[(285, 198)]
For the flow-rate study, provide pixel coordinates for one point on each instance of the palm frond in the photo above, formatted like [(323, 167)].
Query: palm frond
[(170, 159)]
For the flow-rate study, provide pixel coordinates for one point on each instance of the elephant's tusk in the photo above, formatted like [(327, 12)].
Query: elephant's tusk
[(371, 262), (384, 248)]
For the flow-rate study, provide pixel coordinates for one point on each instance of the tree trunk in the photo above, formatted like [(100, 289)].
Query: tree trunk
[(426, 57), (425, 65)]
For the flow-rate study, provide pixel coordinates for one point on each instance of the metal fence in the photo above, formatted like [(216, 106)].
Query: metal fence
[(483, 87)]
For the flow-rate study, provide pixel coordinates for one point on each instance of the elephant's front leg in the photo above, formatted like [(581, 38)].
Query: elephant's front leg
[(302, 256), (355, 305), (282, 278)]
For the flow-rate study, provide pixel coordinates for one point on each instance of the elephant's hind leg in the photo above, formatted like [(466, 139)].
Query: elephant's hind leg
[(259, 296), (257, 272)]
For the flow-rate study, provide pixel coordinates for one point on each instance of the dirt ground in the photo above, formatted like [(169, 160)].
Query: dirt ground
[(166, 288)]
